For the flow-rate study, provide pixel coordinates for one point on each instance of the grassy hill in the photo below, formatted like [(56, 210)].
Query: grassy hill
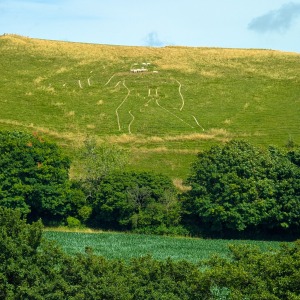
[(186, 101)]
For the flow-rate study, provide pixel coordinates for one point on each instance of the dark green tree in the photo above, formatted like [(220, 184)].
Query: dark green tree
[(237, 187), (34, 176), (251, 273), (132, 200)]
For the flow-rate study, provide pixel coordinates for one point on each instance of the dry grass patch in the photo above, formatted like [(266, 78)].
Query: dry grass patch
[(68, 229), (227, 122), (38, 80), (70, 113), (184, 59), (211, 74), (246, 105), (180, 186), (122, 139), (78, 138), (90, 126), (58, 104), (164, 150), (48, 89), (213, 134), (61, 70)]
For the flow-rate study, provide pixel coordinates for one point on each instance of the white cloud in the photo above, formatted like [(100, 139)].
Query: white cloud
[(276, 20)]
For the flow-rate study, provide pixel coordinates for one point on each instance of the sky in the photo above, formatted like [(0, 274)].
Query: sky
[(262, 24)]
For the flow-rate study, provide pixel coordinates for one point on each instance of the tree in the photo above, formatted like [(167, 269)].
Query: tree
[(97, 162), (34, 176), (237, 187), (251, 273), (132, 200), (18, 245)]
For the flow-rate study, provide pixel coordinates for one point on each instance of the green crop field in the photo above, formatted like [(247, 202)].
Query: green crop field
[(186, 101), (126, 246)]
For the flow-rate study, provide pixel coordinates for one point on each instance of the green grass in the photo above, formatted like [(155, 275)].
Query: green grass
[(126, 246), (250, 94)]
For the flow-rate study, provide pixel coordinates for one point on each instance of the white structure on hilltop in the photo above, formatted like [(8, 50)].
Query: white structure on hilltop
[(142, 69), (138, 70)]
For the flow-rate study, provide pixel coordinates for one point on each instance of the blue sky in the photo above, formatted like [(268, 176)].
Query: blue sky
[(267, 24)]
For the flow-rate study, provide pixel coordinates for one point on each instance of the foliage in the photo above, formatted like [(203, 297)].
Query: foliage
[(131, 200), (240, 187), (34, 177), (32, 268), (251, 274), (97, 162), (18, 248), (294, 155), (73, 222)]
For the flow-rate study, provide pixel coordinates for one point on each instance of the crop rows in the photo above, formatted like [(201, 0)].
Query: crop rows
[(126, 246)]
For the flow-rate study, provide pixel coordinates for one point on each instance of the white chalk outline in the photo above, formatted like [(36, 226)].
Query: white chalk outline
[(129, 126), (179, 90), (148, 102), (117, 84), (173, 114), (197, 123), (117, 114), (109, 80)]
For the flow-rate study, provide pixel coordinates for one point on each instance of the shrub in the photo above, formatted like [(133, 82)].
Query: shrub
[(132, 200), (33, 268), (239, 187), (34, 177), (73, 222)]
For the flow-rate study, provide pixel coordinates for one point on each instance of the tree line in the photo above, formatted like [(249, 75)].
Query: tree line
[(235, 188), (34, 268)]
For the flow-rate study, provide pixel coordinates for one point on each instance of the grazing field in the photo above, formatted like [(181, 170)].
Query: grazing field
[(186, 101), (126, 246)]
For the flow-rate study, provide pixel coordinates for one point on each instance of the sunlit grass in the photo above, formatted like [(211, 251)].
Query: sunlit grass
[(198, 97)]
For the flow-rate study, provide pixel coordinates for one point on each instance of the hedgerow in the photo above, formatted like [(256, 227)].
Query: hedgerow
[(33, 268)]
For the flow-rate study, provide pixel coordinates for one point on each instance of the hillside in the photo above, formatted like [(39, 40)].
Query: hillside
[(184, 99)]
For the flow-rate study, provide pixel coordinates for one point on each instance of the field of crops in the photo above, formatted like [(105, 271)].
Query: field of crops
[(186, 101), (126, 246)]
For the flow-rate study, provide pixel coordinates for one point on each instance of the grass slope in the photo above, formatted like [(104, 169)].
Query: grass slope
[(189, 99), (126, 246)]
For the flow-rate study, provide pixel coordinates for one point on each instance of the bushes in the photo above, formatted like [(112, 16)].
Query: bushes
[(238, 187), (235, 188), (252, 274), (136, 201), (32, 268), (34, 177), (73, 222), (35, 269)]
